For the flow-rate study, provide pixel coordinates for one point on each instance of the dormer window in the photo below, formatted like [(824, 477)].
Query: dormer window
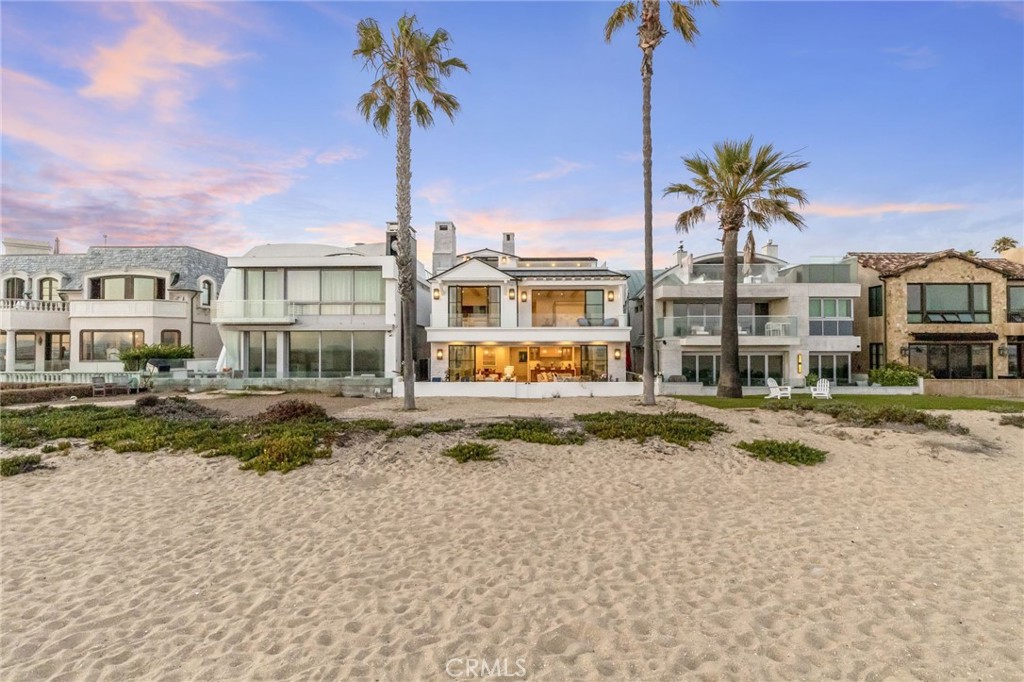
[(206, 293), (14, 287), (128, 288), (48, 289)]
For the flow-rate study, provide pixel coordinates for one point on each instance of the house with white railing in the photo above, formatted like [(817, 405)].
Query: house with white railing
[(794, 320), (293, 312), (76, 312), (498, 316)]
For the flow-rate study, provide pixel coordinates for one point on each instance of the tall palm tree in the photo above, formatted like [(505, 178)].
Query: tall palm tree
[(741, 185), (651, 32), (1004, 244), (409, 69)]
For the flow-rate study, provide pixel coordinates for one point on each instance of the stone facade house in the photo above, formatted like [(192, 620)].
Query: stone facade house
[(955, 315)]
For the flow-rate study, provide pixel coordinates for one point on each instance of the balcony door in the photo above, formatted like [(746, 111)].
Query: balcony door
[(461, 363), (474, 306)]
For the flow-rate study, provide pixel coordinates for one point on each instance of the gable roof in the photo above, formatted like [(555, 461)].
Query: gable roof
[(891, 263), (467, 263)]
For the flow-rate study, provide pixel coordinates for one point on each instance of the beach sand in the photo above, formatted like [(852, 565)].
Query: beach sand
[(901, 557)]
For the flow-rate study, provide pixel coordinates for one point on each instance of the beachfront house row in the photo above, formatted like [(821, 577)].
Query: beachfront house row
[(794, 320), (78, 311), (500, 316), (315, 312), (952, 314)]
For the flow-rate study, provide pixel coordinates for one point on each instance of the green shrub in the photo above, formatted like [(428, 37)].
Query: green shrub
[(62, 447), (531, 431), (785, 452), (9, 396), (19, 464), (176, 408), (1012, 420), (365, 425), (811, 379), (471, 452), (290, 411), (135, 359), (896, 374), (681, 428), (417, 430)]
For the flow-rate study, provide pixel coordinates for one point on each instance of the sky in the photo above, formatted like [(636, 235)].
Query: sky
[(228, 125)]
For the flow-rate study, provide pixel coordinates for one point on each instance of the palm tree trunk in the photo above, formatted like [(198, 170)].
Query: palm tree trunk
[(729, 372), (406, 258), (646, 73)]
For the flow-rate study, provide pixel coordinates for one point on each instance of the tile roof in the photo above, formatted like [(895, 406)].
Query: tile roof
[(894, 262)]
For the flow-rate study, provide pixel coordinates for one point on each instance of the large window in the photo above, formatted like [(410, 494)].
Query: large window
[(876, 303), (57, 351), (335, 354), (48, 289), (948, 303), (348, 291), (594, 363), (261, 354), (14, 287), (170, 337), (24, 359), (953, 360), (831, 316), (474, 306), (832, 366), (876, 355), (754, 368), (127, 288), (107, 345), (568, 307), (1015, 303)]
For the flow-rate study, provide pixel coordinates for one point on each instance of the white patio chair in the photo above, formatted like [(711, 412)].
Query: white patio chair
[(776, 391), (822, 390)]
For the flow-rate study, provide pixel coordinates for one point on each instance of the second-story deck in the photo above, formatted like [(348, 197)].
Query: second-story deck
[(704, 327)]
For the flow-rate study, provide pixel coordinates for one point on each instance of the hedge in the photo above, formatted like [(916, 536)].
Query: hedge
[(42, 395)]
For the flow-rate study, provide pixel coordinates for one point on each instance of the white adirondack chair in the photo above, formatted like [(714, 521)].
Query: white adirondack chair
[(822, 390), (778, 392)]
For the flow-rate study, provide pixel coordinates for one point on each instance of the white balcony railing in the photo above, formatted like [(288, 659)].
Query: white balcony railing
[(226, 312), (33, 306)]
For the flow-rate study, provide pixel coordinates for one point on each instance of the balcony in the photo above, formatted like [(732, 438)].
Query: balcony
[(287, 312), (129, 308), (699, 327), (475, 319), (28, 314), (760, 273)]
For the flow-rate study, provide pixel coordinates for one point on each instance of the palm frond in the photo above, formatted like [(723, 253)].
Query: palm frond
[(683, 21), (623, 14), (690, 218), (382, 117), (421, 112)]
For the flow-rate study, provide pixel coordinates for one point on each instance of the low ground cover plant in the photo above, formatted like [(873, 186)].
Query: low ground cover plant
[(681, 428), (19, 464), (43, 394), (866, 415), (290, 437), (1012, 420), (471, 451), (417, 430), (531, 431), (785, 452)]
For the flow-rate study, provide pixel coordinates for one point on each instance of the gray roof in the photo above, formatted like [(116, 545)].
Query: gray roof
[(190, 263), (635, 280), (563, 273)]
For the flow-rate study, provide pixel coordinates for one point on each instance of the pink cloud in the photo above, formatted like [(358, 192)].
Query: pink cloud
[(439, 192), (339, 155), (561, 168), (853, 211)]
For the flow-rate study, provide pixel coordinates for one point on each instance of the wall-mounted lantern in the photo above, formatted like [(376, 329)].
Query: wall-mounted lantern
[(437, 294), (522, 296), (511, 294), (618, 354), (904, 351), (1003, 351), (440, 354), (611, 295), (800, 364)]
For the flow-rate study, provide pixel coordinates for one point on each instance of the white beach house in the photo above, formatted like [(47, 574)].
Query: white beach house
[(303, 313), (794, 320), (78, 311), (498, 316)]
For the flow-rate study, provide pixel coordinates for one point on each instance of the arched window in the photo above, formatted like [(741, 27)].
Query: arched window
[(14, 287), (48, 289), (206, 294)]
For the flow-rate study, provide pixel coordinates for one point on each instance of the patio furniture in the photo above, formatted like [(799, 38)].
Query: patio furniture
[(99, 385), (611, 322), (776, 391), (583, 322), (822, 390), (699, 331)]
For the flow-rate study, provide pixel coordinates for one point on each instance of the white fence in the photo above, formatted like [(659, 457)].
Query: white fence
[(69, 377), (523, 390)]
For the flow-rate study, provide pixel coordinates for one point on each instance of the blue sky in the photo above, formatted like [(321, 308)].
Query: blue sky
[(234, 124)]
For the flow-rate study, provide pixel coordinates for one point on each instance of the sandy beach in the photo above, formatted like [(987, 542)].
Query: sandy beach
[(900, 558)]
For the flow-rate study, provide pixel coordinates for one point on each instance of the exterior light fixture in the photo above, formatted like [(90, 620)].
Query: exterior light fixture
[(904, 351), (437, 294), (618, 354), (522, 296), (800, 364), (611, 295), (1002, 351), (440, 354), (511, 294)]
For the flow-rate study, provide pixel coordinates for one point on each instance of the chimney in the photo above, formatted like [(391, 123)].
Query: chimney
[(508, 243), (770, 249), (680, 254), (25, 247), (444, 246), (1015, 255)]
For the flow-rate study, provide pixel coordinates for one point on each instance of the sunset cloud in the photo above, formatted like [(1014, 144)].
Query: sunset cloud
[(339, 155), (561, 168), (875, 210)]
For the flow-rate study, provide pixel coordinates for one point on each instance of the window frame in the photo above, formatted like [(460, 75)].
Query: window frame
[(1014, 315), (876, 355), (876, 301), (140, 340), (176, 332), (818, 325), (919, 316), (98, 285)]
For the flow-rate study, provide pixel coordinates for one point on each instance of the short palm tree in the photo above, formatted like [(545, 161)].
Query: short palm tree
[(741, 185), (409, 68), (651, 32), (1004, 244)]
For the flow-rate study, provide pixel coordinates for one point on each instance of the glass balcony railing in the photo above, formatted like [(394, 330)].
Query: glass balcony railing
[(759, 273), (711, 325), (475, 320), (770, 273)]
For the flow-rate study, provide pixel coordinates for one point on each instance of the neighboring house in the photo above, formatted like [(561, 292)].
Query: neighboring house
[(312, 311), (78, 311), (501, 316), (955, 315), (794, 320)]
